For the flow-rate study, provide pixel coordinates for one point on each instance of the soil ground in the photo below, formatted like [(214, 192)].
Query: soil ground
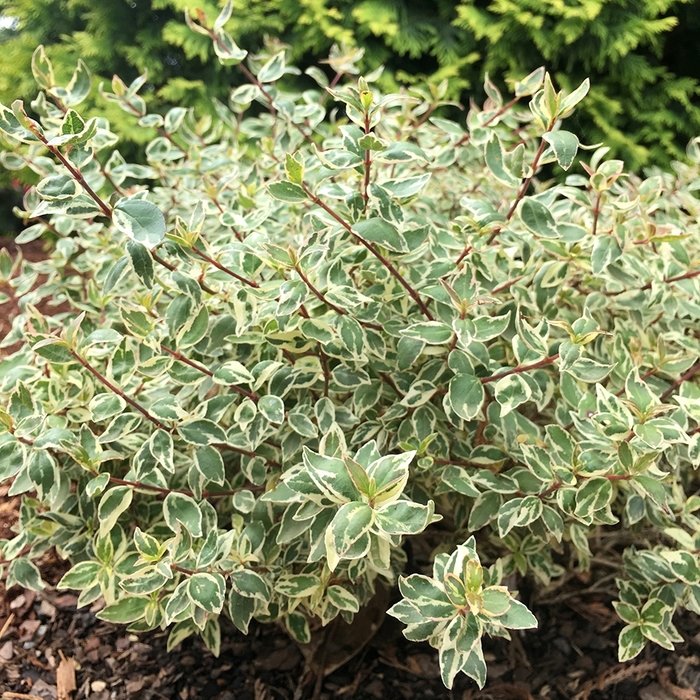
[(572, 656)]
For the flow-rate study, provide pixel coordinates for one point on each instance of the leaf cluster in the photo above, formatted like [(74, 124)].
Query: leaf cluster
[(324, 323)]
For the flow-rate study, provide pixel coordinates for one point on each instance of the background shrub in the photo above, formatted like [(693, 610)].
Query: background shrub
[(639, 54), (294, 342)]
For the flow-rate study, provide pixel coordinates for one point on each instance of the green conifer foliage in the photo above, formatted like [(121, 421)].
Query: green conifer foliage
[(639, 106), (638, 53), (125, 37)]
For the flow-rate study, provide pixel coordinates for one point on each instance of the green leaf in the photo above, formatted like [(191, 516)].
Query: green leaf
[(298, 627), (227, 50), (128, 609), (244, 501), (207, 591), (606, 250), (292, 295), (359, 477), (141, 262), (405, 517), (466, 394), (250, 584), (630, 643), (241, 609), (201, 432), (147, 545), (518, 617), (81, 576), (302, 424), (495, 160), (116, 273), (272, 407), (489, 327), (96, 486), (287, 192), (58, 188), (571, 100), (224, 16), (390, 474), (78, 88), (331, 477), (518, 512), (273, 69), (343, 599), (511, 391), (72, 123), (538, 218), (419, 392), (145, 581), (496, 601), (180, 509), (210, 464), (595, 494), (457, 479), (42, 470), (112, 504), (351, 335), (140, 220), (54, 350), (628, 613), (10, 124), (180, 631), (565, 146), (25, 573), (408, 351), (407, 187), (347, 533), (652, 487), (590, 371), (379, 231), (430, 332), (297, 586), (232, 372)]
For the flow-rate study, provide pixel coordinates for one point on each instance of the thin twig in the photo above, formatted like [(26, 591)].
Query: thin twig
[(7, 623), (223, 268), (103, 380), (204, 370), (500, 112), (520, 369), (387, 263), (690, 373)]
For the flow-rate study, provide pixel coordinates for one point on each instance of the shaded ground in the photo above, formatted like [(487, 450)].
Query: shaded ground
[(571, 656), (33, 252)]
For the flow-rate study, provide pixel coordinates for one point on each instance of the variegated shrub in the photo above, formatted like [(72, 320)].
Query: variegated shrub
[(328, 320)]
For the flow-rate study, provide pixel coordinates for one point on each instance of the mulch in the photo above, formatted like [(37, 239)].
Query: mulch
[(571, 656), (35, 251)]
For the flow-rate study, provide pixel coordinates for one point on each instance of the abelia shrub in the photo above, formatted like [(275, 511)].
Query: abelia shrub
[(329, 321)]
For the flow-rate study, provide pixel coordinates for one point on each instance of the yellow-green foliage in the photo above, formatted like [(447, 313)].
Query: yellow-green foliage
[(638, 53)]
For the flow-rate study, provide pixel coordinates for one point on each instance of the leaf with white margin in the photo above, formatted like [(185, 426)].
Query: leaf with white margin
[(140, 220)]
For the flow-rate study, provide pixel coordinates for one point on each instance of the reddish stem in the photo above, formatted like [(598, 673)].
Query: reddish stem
[(690, 373), (519, 370), (500, 112), (596, 213), (201, 368), (523, 188), (372, 249), (103, 380), (219, 266)]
